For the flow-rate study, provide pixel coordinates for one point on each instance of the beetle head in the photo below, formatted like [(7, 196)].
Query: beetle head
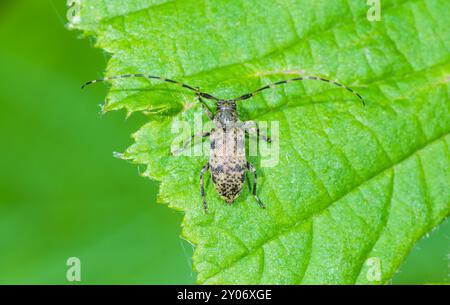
[(226, 105)]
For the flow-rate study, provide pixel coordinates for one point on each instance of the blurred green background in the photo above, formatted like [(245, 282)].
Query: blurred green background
[(63, 194)]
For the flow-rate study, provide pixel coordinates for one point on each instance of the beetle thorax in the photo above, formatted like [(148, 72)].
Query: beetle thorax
[(226, 115)]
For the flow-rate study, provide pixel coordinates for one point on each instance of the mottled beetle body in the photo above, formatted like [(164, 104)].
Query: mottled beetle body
[(227, 161)]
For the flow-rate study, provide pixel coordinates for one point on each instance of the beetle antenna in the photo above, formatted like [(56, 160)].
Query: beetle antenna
[(196, 90), (249, 95)]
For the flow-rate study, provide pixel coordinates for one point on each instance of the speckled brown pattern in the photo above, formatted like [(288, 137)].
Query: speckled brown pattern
[(227, 161)]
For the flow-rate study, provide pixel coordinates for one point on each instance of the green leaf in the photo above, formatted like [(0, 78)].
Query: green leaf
[(355, 186)]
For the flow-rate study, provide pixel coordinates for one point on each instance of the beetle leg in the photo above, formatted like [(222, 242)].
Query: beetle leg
[(188, 142), (202, 185), (252, 128), (251, 168), (205, 107)]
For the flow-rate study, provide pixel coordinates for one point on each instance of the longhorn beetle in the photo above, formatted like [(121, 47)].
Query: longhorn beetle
[(227, 162)]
